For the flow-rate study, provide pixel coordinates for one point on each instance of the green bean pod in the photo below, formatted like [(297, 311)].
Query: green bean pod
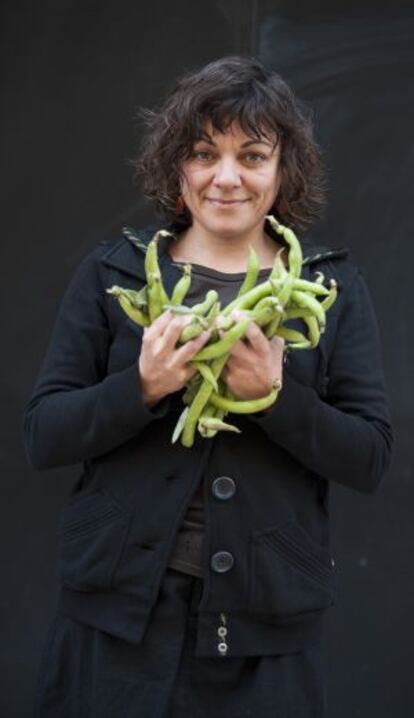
[(204, 307), (179, 425), (213, 351), (271, 328), (205, 372), (199, 402), (278, 270), (133, 313), (270, 301), (263, 316), (137, 299), (213, 313), (295, 257), (157, 296), (182, 286), (208, 412), (296, 313), (249, 299), (333, 293), (151, 260), (313, 331), (180, 309), (208, 426), (293, 346), (295, 252), (291, 335), (193, 330), (313, 287), (245, 407), (252, 273), (307, 301), (284, 292), (210, 429), (192, 387)]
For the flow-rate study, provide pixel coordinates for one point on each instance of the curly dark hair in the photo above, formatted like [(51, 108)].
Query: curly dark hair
[(240, 89)]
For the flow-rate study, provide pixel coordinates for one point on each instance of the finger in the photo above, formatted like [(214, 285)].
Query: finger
[(190, 348), (159, 325), (257, 339), (240, 350), (225, 372), (277, 345), (186, 373), (173, 331)]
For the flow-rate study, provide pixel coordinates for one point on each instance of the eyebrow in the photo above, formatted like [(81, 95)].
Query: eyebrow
[(245, 144)]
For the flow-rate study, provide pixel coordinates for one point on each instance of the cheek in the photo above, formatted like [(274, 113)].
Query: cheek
[(266, 184), (194, 181)]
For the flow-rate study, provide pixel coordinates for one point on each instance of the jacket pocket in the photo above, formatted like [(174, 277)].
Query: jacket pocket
[(92, 532), (290, 572)]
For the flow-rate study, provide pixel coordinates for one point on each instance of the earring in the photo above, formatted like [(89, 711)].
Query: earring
[(180, 205)]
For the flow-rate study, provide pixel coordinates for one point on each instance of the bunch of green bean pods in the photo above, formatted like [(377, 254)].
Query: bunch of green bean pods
[(282, 297)]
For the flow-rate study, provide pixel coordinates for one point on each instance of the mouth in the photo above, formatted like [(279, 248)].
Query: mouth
[(226, 202)]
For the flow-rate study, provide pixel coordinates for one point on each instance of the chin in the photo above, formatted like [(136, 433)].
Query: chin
[(229, 228)]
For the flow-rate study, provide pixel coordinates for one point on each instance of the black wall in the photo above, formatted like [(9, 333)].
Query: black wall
[(73, 74)]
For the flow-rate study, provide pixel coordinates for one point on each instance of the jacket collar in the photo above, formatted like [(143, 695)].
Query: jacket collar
[(128, 253)]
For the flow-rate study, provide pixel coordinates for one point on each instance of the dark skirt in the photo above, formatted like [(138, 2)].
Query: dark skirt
[(87, 673)]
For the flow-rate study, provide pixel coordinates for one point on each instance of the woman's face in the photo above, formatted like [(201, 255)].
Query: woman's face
[(230, 182)]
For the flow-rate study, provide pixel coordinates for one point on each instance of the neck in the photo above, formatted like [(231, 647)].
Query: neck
[(219, 252)]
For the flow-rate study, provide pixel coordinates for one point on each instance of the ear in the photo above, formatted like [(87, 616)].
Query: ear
[(182, 180)]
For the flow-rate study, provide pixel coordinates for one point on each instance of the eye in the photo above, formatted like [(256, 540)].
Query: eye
[(255, 157), (202, 155)]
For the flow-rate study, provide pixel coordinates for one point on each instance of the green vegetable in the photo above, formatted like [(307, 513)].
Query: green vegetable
[(271, 303)]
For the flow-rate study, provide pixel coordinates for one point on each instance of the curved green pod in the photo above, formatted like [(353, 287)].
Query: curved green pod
[(252, 272), (205, 306), (208, 426), (295, 257), (313, 287), (291, 335), (213, 351), (245, 407), (205, 372), (308, 301), (250, 298), (182, 286), (333, 293), (133, 313)]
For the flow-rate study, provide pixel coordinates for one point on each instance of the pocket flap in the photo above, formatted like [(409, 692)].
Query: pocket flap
[(92, 532), (291, 572)]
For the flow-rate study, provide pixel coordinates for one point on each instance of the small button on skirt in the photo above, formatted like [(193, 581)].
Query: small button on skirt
[(87, 673)]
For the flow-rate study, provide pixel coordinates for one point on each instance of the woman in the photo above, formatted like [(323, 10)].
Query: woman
[(195, 581)]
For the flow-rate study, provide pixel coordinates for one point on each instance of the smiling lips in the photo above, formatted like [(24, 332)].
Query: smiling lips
[(225, 202)]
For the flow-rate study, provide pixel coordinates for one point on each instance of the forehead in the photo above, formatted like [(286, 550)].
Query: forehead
[(235, 130)]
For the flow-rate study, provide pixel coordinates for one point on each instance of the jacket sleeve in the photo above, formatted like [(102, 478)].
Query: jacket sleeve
[(346, 436), (77, 411)]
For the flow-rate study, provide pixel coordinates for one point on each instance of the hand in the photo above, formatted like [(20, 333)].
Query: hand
[(162, 366), (254, 365)]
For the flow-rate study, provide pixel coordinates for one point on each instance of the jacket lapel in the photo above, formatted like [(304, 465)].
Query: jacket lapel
[(128, 254)]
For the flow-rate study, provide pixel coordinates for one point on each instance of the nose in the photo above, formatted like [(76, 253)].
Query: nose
[(227, 173)]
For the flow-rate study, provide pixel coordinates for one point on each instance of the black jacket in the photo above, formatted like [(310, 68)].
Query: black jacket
[(268, 569)]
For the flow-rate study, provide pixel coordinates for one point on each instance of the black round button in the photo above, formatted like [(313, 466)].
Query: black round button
[(222, 561), (223, 488)]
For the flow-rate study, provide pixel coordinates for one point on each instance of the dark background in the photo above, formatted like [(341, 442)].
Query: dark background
[(73, 75)]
